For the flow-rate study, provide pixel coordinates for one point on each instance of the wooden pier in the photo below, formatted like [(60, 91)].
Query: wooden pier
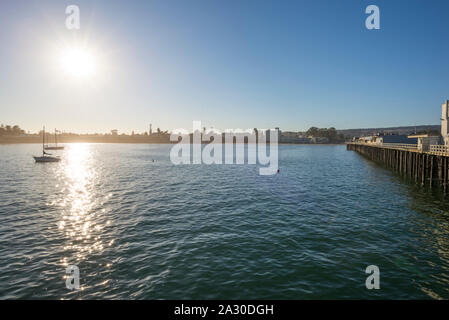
[(427, 168)]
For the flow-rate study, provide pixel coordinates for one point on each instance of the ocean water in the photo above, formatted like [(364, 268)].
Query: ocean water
[(143, 229)]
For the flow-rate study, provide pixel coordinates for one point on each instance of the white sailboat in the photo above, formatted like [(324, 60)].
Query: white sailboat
[(46, 157), (55, 147)]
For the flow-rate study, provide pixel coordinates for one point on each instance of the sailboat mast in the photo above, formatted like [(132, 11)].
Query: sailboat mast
[(43, 141)]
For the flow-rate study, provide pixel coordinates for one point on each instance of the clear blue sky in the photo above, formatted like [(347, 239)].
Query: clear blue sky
[(228, 63)]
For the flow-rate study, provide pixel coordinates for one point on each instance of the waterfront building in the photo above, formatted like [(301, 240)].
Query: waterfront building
[(406, 139), (425, 141), (292, 137)]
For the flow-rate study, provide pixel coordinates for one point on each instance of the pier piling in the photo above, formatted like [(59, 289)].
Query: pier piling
[(421, 167)]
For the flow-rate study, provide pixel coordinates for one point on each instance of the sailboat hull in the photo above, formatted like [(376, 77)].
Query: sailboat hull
[(47, 159), (54, 148)]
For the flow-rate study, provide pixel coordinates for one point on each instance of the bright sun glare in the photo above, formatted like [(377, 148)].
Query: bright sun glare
[(78, 62)]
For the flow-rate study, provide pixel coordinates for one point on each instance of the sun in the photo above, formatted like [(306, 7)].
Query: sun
[(78, 62)]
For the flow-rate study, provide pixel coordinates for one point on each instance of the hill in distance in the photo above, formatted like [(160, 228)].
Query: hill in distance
[(391, 130)]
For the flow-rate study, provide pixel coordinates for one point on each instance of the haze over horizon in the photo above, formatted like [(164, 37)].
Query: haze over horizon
[(230, 64)]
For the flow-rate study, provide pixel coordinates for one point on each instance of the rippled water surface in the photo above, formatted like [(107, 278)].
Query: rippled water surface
[(144, 229)]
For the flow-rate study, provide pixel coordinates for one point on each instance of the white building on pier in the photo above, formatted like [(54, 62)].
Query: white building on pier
[(444, 122)]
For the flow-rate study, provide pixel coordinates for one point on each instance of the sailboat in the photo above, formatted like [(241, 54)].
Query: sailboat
[(55, 147), (46, 157)]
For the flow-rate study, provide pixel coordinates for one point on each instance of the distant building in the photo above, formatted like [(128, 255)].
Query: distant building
[(425, 141), (114, 132), (314, 139), (292, 137), (389, 138), (405, 139)]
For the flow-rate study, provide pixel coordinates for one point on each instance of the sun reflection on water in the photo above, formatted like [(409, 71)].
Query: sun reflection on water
[(79, 219)]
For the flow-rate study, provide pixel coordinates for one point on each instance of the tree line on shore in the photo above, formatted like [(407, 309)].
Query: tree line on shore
[(331, 134), (11, 130)]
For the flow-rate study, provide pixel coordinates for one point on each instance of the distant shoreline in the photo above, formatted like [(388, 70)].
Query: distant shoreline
[(136, 139), (91, 142), (35, 139)]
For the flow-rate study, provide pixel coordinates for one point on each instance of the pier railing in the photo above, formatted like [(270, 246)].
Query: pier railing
[(405, 146), (439, 150), (400, 146)]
